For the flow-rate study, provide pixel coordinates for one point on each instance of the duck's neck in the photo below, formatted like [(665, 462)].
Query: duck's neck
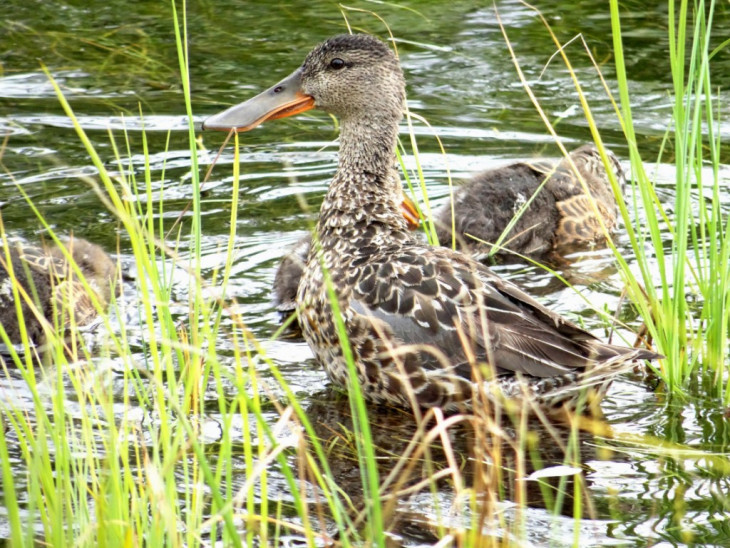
[(368, 145), (365, 194)]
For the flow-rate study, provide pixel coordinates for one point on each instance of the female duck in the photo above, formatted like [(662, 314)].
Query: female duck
[(45, 279), (422, 323), (554, 213), (291, 268)]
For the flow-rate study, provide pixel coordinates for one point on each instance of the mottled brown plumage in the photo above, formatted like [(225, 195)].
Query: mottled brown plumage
[(422, 323), (559, 216), (291, 268), (51, 293)]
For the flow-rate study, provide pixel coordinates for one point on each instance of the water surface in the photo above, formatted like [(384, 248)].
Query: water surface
[(114, 58)]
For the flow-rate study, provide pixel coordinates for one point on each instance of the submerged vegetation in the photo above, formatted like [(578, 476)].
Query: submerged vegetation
[(178, 427)]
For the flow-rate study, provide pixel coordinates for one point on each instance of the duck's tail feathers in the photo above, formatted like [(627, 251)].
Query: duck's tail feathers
[(607, 354), (569, 390)]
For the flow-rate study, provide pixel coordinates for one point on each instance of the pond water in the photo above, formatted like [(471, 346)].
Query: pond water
[(112, 57)]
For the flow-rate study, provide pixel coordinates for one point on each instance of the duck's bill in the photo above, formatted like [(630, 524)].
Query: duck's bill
[(279, 101), (410, 213)]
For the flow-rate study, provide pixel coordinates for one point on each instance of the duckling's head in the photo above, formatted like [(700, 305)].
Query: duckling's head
[(98, 268), (350, 76)]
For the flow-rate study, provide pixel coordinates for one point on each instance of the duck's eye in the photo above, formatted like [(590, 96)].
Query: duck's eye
[(337, 63)]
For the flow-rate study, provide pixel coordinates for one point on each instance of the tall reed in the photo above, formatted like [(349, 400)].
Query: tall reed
[(694, 266), (103, 477)]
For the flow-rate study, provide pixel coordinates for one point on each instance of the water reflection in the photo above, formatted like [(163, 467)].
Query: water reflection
[(460, 77), (465, 458)]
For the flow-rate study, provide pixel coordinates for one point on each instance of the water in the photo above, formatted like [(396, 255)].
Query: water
[(111, 57)]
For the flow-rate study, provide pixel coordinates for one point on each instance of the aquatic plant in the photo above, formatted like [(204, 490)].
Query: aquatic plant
[(224, 455), (693, 266)]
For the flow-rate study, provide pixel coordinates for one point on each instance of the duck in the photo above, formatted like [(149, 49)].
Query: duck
[(559, 217), (44, 276), (291, 267), (424, 326)]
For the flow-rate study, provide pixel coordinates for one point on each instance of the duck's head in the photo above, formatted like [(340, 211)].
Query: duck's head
[(350, 76)]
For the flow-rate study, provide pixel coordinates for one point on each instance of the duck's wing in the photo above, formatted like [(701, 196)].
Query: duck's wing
[(437, 297)]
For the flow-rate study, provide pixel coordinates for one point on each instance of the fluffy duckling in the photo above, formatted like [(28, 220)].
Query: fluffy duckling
[(289, 274), (560, 216), (58, 298)]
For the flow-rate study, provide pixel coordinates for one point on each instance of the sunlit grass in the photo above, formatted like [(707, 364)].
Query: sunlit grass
[(696, 263), (103, 477), (107, 480)]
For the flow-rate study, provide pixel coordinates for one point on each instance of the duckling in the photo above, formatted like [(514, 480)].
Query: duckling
[(289, 274), (559, 217), (426, 326), (46, 278)]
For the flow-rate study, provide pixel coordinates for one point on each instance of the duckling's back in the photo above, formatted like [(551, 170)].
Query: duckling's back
[(36, 284), (45, 277), (484, 207), (98, 268), (578, 222), (559, 215)]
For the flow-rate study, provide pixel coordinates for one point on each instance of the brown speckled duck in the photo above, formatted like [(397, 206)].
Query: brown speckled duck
[(559, 217), (46, 278), (426, 326), (291, 268)]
